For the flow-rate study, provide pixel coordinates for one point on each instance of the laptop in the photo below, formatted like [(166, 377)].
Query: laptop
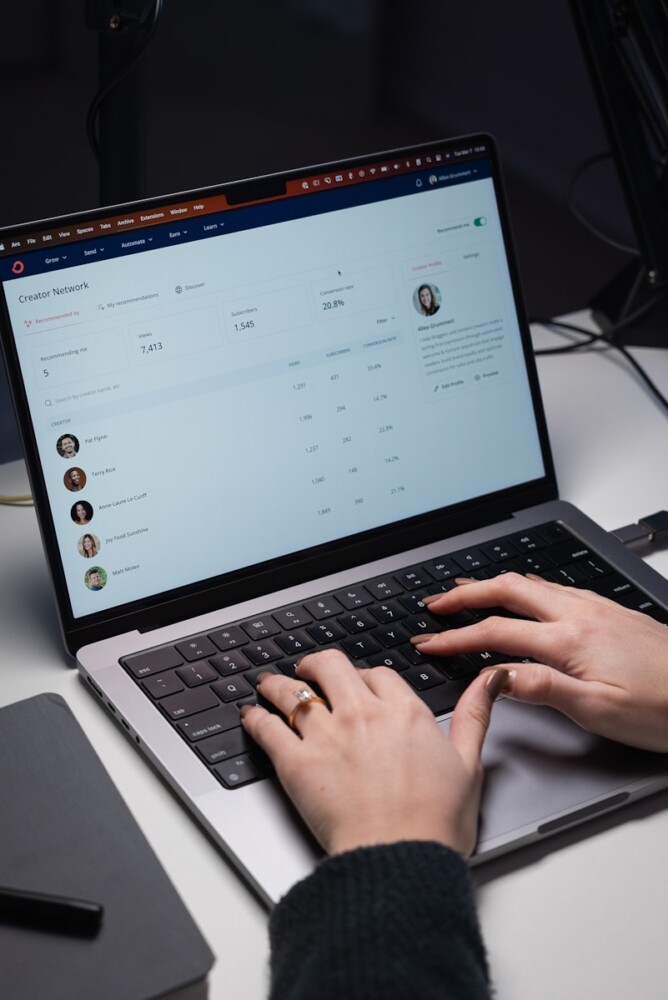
[(270, 416)]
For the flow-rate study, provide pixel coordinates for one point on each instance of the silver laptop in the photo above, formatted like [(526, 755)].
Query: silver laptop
[(268, 417)]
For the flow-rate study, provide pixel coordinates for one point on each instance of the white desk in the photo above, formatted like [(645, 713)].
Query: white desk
[(581, 919)]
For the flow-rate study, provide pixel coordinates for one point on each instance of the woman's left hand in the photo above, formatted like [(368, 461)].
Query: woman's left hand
[(373, 766)]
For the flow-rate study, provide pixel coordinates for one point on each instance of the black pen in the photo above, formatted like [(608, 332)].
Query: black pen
[(48, 912)]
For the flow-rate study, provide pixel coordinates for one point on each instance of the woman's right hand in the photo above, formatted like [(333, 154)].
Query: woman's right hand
[(604, 666)]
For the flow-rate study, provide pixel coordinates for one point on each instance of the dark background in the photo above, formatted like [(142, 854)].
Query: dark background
[(246, 88)]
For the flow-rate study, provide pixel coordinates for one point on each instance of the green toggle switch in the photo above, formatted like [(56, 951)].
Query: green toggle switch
[(480, 221)]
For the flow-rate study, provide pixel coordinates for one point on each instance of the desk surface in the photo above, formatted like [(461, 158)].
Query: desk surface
[(583, 917)]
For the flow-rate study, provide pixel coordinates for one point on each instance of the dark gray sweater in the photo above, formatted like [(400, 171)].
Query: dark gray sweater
[(395, 922)]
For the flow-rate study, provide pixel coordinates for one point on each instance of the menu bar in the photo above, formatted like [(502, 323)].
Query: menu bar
[(157, 214)]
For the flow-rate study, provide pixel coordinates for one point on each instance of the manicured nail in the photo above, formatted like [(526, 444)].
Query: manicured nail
[(497, 682), (430, 598), (461, 580), (423, 637)]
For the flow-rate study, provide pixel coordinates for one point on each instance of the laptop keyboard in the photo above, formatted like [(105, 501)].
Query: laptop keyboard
[(200, 683)]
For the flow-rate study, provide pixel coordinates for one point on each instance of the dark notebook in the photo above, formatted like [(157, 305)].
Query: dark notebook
[(66, 830)]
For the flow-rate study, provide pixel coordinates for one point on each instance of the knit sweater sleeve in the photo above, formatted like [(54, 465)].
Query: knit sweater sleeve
[(394, 922)]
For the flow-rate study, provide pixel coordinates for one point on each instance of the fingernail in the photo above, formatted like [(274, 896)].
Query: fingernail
[(423, 637), (430, 598), (245, 709), (534, 576), (497, 682), (261, 677), (461, 580)]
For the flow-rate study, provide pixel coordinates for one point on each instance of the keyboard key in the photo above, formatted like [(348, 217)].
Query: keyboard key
[(295, 643), (527, 541), (571, 575), (324, 632), (389, 611), (389, 658), (160, 685), (613, 586), (355, 597), (232, 688), (153, 661), (261, 628), (356, 623), (456, 667), (217, 720), (553, 532), (414, 578), (196, 648), (415, 624), (324, 607), (413, 603), (228, 638), (230, 663), (232, 743), (237, 772), (391, 635), (569, 551), (443, 569), (194, 674), (535, 562), (271, 668), (594, 567), (294, 617), (177, 706), (470, 560), (499, 551), (423, 677), (384, 588), (443, 697), (360, 645), (262, 652), (486, 659)]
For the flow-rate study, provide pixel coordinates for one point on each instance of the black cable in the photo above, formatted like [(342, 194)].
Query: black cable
[(135, 55), (582, 219), (606, 341), (607, 336)]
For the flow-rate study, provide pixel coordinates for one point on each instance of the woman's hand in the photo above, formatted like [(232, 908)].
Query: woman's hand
[(374, 767), (604, 666)]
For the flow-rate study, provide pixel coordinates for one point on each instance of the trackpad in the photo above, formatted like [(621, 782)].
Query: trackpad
[(540, 767)]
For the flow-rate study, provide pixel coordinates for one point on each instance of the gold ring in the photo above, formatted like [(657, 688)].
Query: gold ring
[(304, 697)]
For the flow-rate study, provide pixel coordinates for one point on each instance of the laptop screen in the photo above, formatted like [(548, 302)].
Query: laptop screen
[(222, 379)]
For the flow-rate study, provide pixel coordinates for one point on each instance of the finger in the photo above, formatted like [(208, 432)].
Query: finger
[(512, 591), (540, 684), (387, 684), (290, 697), (333, 672), (269, 732), (512, 636), (470, 719)]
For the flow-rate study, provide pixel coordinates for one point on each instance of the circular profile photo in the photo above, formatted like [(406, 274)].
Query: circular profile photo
[(95, 578), (67, 446), (81, 512), (88, 546), (75, 479), (427, 300)]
